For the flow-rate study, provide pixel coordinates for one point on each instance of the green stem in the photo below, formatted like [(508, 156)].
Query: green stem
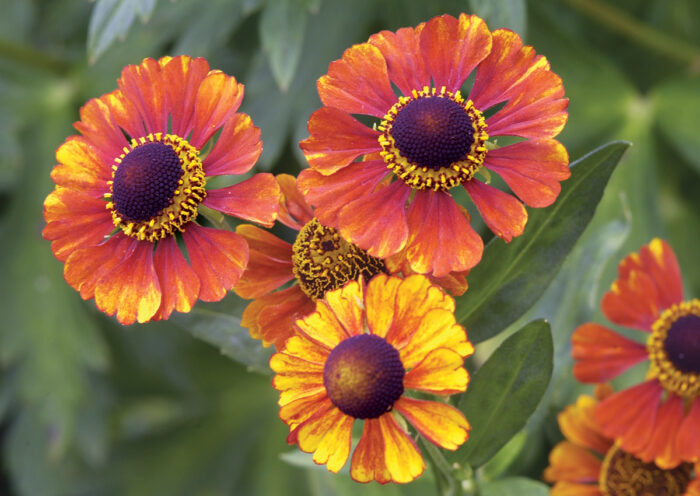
[(215, 217), (32, 57), (447, 485), (639, 32)]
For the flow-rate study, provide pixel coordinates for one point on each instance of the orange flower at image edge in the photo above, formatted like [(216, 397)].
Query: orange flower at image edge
[(120, 204), (658, 419), (355, 357), (432, 139), (318, 261), (588, 463)]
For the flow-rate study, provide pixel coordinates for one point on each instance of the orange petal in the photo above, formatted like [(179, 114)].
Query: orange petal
[(344, 304), (502, 213), (658, 261), (335, 432), (573, 489), (377, 222), (97, 123), (380, 296), (322, 326), (218, 98), (81, 168), (693, 488), (442, 240), (454, 282), (633, 302), (687, 439), (602, 354), (440, 372), (179, 283), (452, 48), (217, 257), (533, 169), (296, 378), (236, 150), (269, 263), (183, 75), (255, 199), (368, 459), (329, 194), (74, 220), (294, 211), (358, 83), (439, 423), (144, 86), (571, 463), (578, 425), (403, 59), (336, 140), (401, 455), (131, 289), (661, 448), (299, 411)]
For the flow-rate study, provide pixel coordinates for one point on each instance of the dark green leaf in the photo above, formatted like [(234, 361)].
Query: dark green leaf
[(282, 27), (505, 391), (511, 14), (515, 486), (511, 277)]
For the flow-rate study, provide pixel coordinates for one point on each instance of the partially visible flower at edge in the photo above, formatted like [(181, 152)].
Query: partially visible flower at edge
[(432, 139), (354, 357), (588, 463), (135, 178), (658, 419)]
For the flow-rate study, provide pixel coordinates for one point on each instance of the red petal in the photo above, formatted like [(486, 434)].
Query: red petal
[(183, 75), (336, 140), (81, 168), (533, 169), (403, 59), (658, 260), (256, 199), (452, 48), (236, 150), (294, 211), (144, 86), (502, 213), (661, 448), (687, 439), (97, 124), (358, 83), (217, 257), (218, 98), (179, 283), (633, 302)]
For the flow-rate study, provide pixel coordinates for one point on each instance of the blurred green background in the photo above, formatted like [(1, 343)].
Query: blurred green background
[(88, 407)]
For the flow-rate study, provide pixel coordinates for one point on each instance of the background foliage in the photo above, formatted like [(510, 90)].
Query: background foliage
[(88, 407)]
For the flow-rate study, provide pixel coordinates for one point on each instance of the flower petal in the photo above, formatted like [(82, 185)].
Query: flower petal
[(578, 425), (344, 304), (358, 83), (441, 424), (380, 296), (687, 439), (237, 148), (299, 411), (452, 48), (323, 327), (296, 377), (217, 257), (183, 75), (269, 263), (571, 463), (334, 446), (602, 354), (661, 448), (179, 283), (294, 211), (81, 168), (99, 127), (368, 459), (401, 51), (502, 213), (533, 169), (218, 98), (336, 140), (401, 455), (144, 86), (658, 261), (574, 489), (256, 199), (440, 372)]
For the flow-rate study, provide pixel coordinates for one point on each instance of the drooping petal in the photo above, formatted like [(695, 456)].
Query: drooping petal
[(454, 282), (183, 75), (442, 240), (131, 289), (502, 213), (440, 372), (299, 411), (403, 59), (294, 211), (256, 199), (368, 459), (452, 48), (358, 83), (336, 140), (218, 98), (178, 282), (296, 377), (632, 302), (571, 463), (217, 257), (387, 233), (533, 169), (602, 354), (269, 263), (236, 150), (333, 448), (661, 448), (81, 168), (144, 86), (687, 439), (578, 425), (441, 424), (575, 489), (401, 455)]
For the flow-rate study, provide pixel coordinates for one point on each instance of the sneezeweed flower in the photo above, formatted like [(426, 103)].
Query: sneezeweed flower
[(588, 463), (658, 419), (355, 357), (130, 186), (431, 139)]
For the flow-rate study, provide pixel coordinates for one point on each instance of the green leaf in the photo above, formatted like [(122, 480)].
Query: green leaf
[(282, 27), (515, 486), (512, 276), (505, 391), (111, 19), (511, 14)]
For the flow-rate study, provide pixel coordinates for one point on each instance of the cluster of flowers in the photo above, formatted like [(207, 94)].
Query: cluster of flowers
[(358, 306)]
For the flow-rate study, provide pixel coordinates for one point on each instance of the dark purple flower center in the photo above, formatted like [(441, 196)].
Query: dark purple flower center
[(364, 376), (145, 181), (682, 344), (433, 132)]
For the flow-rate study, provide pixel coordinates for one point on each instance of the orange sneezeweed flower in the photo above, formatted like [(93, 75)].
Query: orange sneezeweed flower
[(588, 463), (131, 184), (355, 357), (658, 419), (318, 261), (429, 139)]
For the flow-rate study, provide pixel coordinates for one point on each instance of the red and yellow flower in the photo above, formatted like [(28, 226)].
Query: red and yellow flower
[(658, 419), (132, 183), (589, 463), (430, 139), (355, 357)]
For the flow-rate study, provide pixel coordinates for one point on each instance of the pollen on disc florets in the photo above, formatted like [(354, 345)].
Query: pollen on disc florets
[(433, 139), (623, 474), (674, 349), (323, 260), (363, 376), (157, 185)]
